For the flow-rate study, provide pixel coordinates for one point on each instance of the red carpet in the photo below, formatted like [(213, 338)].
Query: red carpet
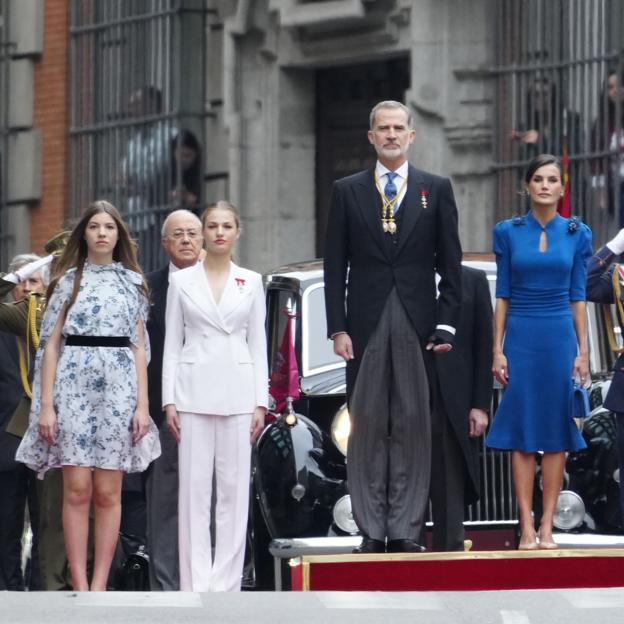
[(460, 571)]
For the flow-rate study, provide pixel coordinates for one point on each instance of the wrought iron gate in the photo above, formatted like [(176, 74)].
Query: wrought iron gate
[(555, 60), (137, 110)]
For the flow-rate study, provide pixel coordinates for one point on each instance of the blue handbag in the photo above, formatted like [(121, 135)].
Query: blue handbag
[(580, 404)]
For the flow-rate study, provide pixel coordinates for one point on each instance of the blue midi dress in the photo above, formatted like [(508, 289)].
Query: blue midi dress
[(535, 413)]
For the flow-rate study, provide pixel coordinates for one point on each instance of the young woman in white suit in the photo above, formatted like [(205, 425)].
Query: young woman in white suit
[(215, 396)]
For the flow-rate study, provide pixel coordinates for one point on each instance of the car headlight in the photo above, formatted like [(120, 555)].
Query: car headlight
[(343, 515), (570, 511), (340, 429)]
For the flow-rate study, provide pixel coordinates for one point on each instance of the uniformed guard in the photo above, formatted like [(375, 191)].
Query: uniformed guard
[(23, 319), (605, 284)]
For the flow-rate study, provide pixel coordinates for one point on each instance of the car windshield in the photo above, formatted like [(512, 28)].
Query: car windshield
[(318, 352)]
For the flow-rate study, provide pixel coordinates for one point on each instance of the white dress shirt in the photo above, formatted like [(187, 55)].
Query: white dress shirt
[(400, 180)]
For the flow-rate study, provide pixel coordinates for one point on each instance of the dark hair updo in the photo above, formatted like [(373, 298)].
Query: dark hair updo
[(540, 161)]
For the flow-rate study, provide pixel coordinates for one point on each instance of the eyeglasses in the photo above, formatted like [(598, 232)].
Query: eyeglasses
[(179, 234)]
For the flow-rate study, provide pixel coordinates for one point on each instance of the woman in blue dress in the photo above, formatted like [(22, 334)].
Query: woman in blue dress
[(89, 412), (540, 342)]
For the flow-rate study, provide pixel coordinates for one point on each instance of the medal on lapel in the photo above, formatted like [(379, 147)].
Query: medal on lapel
[(423, 198)]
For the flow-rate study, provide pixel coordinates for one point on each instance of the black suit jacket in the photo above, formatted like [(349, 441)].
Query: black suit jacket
[(465, 374), (158, 282), (356, 246), (11, 393)]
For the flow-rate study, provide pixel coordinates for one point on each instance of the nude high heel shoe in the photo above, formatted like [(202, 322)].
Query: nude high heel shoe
[(547, 544), (527, 542)]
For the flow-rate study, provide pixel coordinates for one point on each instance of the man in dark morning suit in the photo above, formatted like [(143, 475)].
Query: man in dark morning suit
[(181, 239), (389, 229), (601, 289), (461, 401)]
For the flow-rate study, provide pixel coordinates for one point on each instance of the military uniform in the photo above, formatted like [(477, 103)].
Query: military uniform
[(18, 484), (14, 318), (605, 284)]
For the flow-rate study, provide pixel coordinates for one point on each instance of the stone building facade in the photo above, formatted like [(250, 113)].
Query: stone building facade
[(278, 94)]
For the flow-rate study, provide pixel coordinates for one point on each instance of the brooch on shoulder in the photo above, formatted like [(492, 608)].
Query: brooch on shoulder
[(573, 224)]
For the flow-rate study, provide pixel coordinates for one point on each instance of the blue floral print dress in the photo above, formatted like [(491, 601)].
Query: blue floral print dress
[(95, 388)]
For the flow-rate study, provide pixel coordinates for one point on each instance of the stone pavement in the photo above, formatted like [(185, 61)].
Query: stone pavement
[(587, 606)]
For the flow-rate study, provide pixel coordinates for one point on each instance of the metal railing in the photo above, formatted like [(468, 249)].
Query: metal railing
[(556, 58), (5, 46), (137, 113)]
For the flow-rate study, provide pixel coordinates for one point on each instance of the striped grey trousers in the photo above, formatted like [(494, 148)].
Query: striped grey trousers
[(389, 456)]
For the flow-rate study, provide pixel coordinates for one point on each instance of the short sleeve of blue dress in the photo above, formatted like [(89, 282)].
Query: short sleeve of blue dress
[(578, 280), (503, 259)]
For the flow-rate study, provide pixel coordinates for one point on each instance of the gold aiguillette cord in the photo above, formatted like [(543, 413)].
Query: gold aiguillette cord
[(387, 207), (31, 330)]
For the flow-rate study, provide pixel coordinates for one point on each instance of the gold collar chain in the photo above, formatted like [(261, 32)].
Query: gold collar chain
[(387, 207)]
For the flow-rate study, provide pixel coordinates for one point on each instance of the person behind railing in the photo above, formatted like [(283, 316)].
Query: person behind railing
[(608, 136), (89, 412), (186, 171), (541, 261), (605, 284), (143, 176), (215, 396), (548, 126)]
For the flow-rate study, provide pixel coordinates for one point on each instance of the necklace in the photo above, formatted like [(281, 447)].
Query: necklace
[(388, 207)]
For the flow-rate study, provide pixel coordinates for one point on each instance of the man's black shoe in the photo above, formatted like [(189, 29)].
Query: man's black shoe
[(369, 545), (404, 546)]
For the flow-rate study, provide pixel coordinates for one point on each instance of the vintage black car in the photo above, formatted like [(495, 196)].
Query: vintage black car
[(299, 479)]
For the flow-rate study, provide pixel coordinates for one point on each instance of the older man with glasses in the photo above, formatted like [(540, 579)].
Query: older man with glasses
[(182, 240)]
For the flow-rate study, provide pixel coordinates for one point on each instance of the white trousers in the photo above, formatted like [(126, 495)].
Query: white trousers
[(207, 443)]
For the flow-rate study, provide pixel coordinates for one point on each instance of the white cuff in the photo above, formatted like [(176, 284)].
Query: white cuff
[(448, 328), (27, 270), (616, 244)]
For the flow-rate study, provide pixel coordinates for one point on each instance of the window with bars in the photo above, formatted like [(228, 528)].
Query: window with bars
[(136, 118), (556, 61)]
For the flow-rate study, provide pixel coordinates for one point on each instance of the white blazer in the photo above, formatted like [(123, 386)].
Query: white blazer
[(215, 356)]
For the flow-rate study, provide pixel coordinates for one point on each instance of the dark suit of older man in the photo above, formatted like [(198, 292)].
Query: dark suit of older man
[(162, 482), (182, 242)]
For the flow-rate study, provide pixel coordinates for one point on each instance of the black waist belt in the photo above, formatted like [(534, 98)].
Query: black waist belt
[(97, 341)]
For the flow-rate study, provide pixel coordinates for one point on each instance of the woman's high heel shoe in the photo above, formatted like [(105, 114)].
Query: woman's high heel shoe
[(547, 544), (527, 543)]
